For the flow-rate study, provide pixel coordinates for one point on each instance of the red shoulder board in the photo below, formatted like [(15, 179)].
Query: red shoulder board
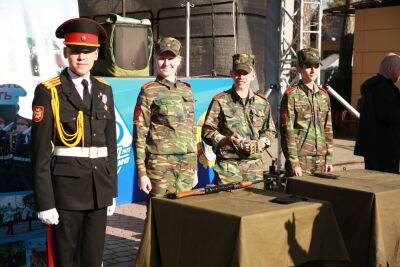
[(261, 95), (138, 111), (324, 90), (147, 85), (291, 89), (187, 84), (219, 95)]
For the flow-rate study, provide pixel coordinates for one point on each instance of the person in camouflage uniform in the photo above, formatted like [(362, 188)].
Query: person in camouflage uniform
[(305, 116), (164, 136), (239, 126)]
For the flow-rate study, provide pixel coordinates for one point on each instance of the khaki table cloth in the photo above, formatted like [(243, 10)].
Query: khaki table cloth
[(367, 208), (240, 228)]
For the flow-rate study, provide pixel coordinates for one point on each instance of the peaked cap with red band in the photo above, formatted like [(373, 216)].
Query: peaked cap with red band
[(81, 34)]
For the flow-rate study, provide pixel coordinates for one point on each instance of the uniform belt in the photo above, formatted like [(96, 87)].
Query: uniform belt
[(83, 152), (16, 158)]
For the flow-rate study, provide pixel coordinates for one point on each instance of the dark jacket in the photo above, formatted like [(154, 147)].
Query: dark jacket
[(74, 183), (379, 127)]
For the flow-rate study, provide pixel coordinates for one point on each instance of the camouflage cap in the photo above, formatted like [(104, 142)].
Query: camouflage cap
[(168, 44), (243, 61), (308, 56)]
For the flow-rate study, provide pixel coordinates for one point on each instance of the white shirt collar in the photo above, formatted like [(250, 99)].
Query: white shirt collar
[(77, 80)]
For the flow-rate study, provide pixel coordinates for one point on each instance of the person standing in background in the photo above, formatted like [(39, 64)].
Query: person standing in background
[(6, 179), (378, 138), (8, 219), (20, 143)]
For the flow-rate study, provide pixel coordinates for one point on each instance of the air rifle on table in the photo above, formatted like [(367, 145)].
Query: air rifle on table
[(210, 189)]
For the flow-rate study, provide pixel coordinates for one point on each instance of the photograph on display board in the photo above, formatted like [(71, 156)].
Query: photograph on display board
[(33, 54), (18, 216), (13, 254), (37, 253), (15, 132)]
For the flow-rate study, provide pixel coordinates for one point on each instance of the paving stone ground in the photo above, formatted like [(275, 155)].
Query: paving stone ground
[(125, 227), (123, 235)]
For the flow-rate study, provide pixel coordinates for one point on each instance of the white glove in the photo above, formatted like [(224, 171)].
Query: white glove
[(48, 216), (111, 209)]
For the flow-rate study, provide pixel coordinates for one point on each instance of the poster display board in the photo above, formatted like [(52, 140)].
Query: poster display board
[(30, 54)]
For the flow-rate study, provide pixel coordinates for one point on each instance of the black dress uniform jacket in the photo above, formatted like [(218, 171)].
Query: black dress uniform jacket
[(379, 127), (75, 183)]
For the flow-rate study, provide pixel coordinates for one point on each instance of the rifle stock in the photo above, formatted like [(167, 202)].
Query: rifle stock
[(194, 192), (244, 184), (214, 189)]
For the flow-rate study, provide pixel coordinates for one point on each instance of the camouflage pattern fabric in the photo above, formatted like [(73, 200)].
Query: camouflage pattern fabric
[(306, 126), (310, 164), (230, 171), (169, 44), (243, 62), (163, 121), (308, 56), (171, 173), (250, 118)]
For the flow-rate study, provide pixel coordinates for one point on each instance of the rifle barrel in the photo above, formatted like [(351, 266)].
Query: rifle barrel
[(214, 189)]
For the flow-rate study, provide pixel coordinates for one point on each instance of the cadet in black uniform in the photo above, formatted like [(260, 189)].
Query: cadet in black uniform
[(21, 159), (5, 158), (74, 150)]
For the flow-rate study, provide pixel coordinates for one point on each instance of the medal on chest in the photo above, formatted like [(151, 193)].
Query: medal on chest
[(104, 100)]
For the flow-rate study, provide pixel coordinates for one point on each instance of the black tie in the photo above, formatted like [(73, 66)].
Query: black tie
[(87, 99)]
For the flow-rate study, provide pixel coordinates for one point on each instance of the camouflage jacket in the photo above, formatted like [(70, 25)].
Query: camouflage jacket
[(306, 124), (227, 114), (164, 121)]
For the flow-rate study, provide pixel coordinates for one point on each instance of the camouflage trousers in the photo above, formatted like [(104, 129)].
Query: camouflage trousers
[(230, 171), (171, 173), (310, 164)]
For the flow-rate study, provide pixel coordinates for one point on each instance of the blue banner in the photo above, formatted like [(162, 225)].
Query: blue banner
[(126, 91)]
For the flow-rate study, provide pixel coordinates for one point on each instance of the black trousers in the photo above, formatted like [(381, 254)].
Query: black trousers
[(79, 238), (381, 164)]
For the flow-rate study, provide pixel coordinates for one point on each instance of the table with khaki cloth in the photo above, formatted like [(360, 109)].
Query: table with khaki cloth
[(367, 208), (240, 228)]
